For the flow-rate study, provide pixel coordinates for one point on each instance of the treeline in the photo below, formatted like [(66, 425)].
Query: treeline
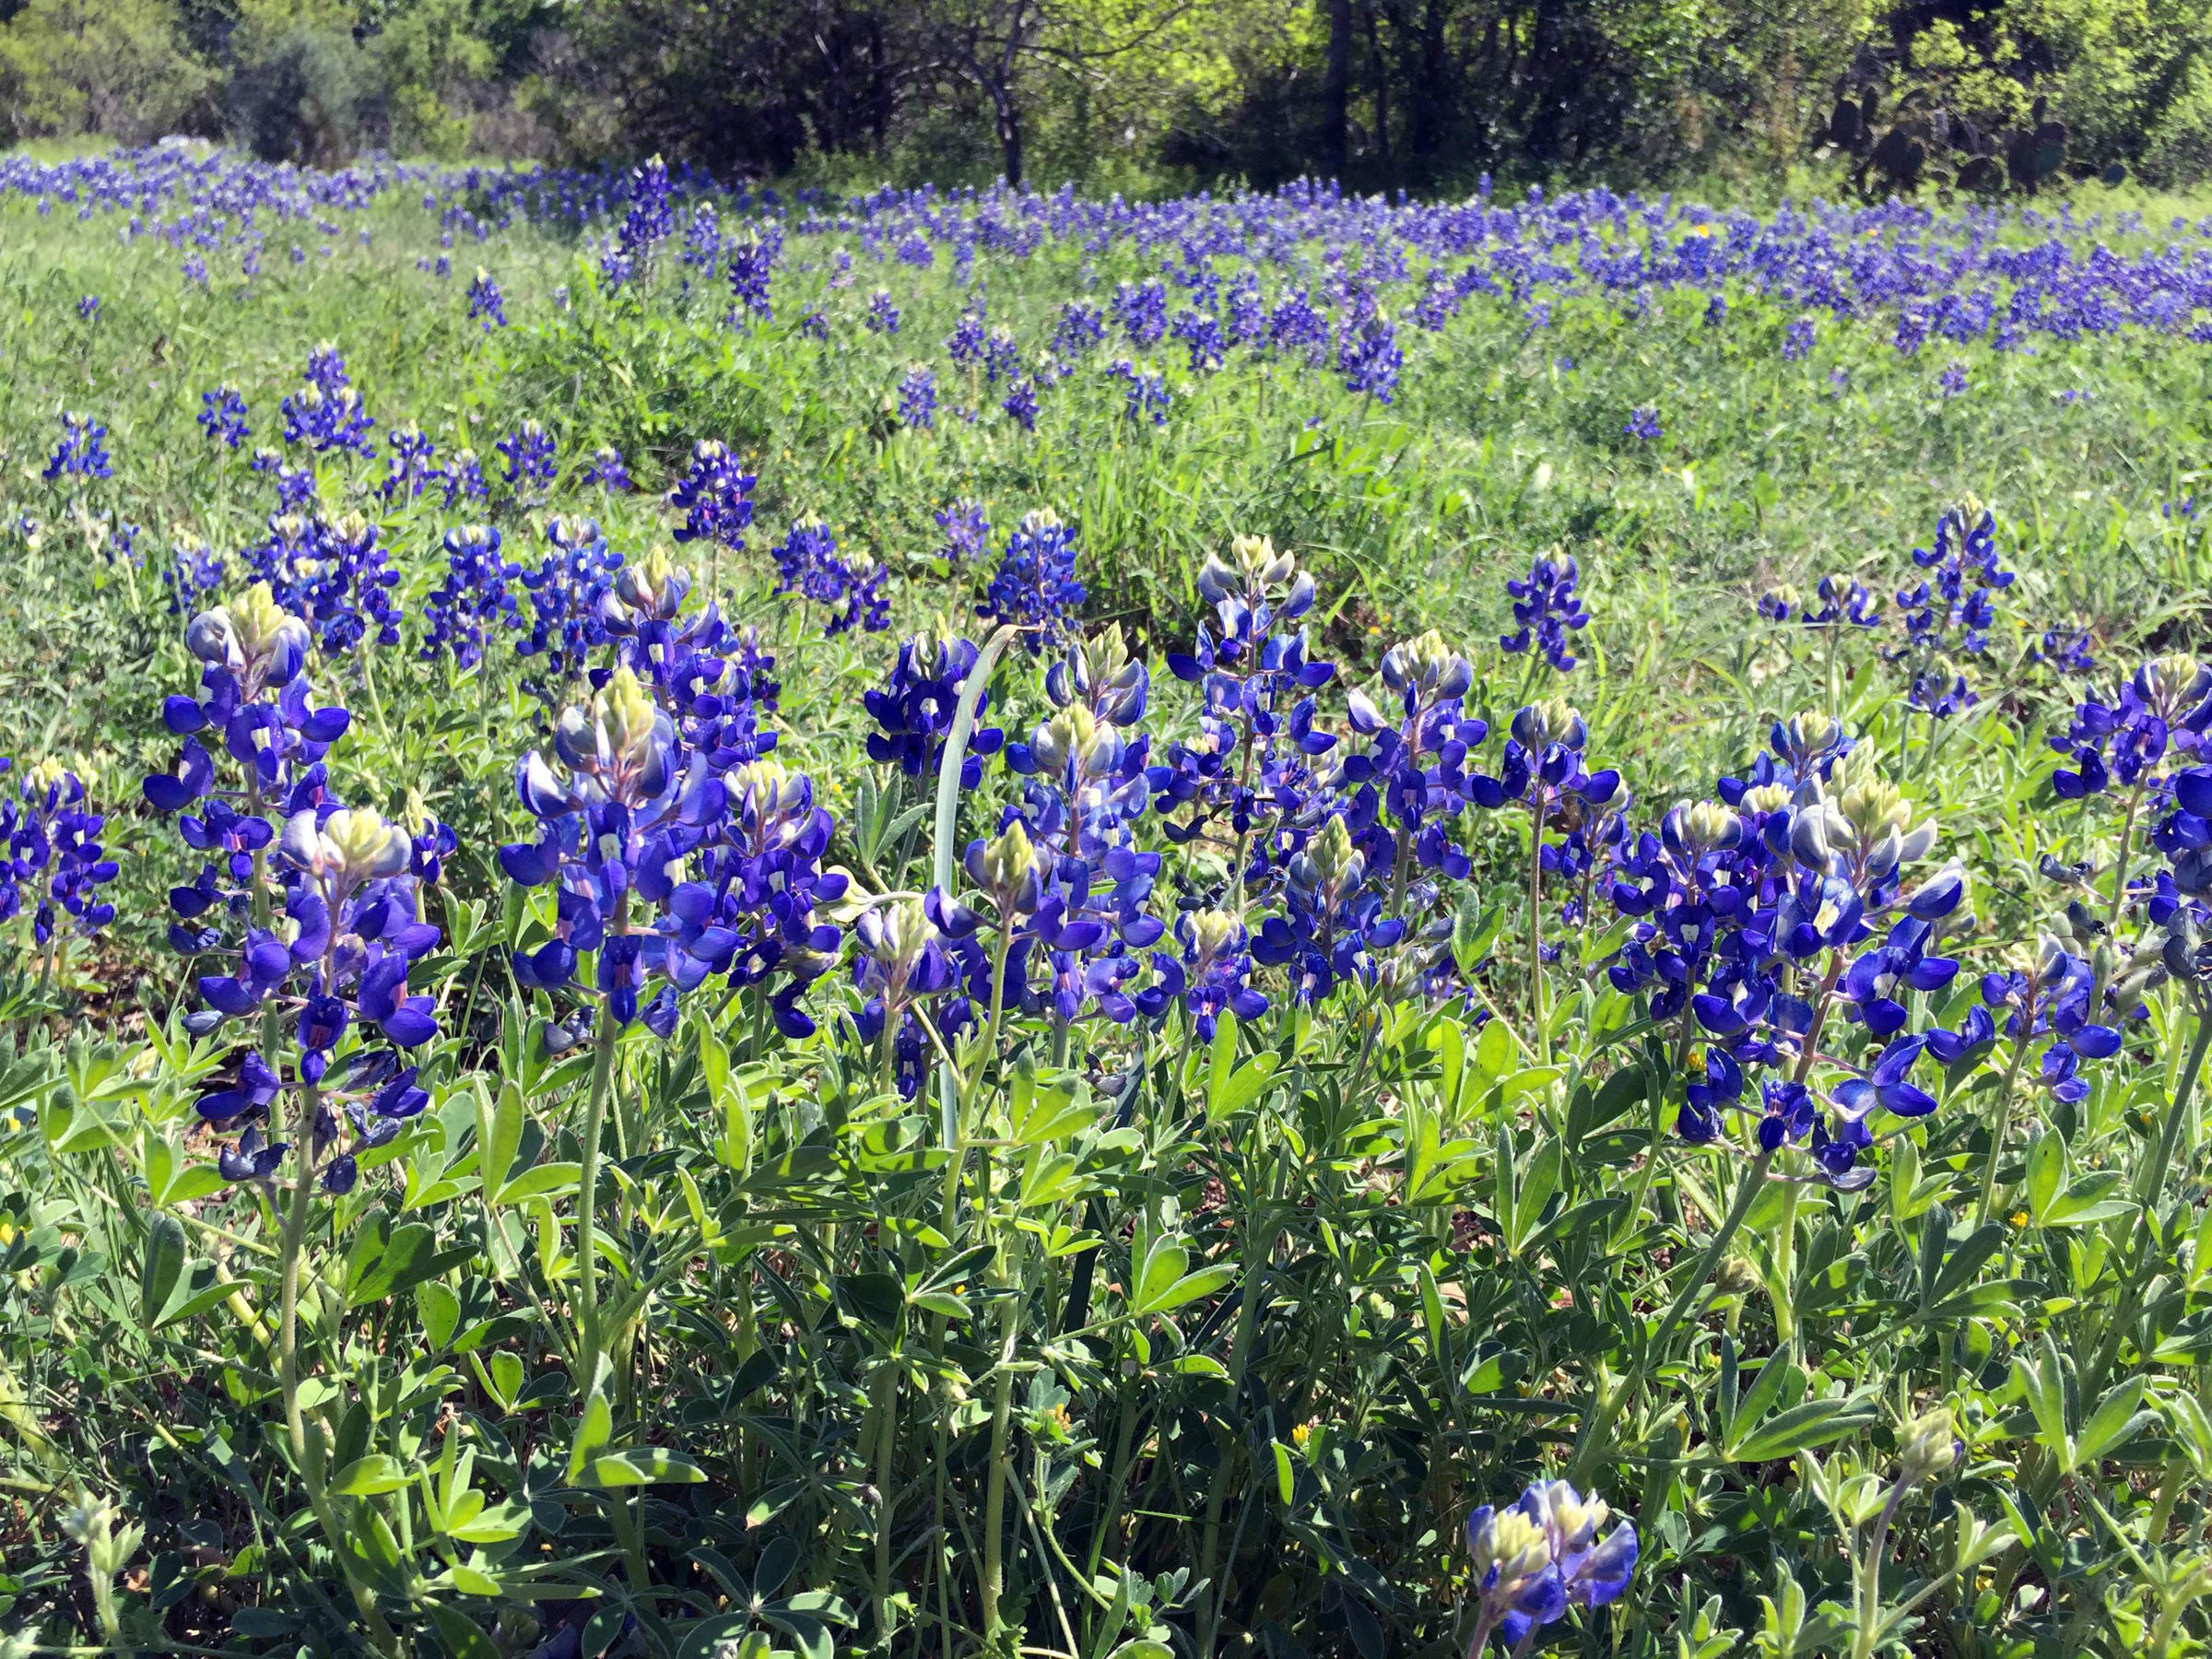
[(1415, 94)]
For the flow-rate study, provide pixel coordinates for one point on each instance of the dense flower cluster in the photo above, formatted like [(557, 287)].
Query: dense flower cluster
[(322, 913), (82, 451), (810, 564), (53, 863), (1546, 606), (1034, 586), (223, 416)]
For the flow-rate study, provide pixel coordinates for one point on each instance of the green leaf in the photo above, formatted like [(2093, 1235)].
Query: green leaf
[(408, 1257), (158, 1273), (595, 1430), (458, 1633), (542, 1180), (638, 1466), (1802, 1428), (366, 1477)]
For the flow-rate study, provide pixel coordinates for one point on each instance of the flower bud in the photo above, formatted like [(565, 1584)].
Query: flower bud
[(350, 846), (1554, 720), (1705, 825), (1212, 932), (1428, 668), (1509, 1546), (1008, 865), (624, 713), (1930, 1445)]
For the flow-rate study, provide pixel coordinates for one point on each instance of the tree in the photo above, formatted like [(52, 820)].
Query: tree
[(114, 67)]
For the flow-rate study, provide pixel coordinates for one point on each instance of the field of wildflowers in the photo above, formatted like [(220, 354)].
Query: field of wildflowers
[(1001, 925)]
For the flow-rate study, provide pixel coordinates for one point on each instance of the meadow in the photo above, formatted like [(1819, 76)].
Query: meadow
[(990, 923)]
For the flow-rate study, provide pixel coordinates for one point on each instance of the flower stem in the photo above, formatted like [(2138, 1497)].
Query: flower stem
[(1535, 928), (307, 1447), (2000, 1115), (1601, 1420), (587, 1289)]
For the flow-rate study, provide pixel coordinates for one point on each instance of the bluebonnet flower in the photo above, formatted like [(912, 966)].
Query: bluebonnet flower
[(345, 881), (82, 451), (1035, 586), (900, 962), (1148, 390), (1546, 607), (475, 591), (1414, 771), (327, 420), (752, 266), (1141, 312), (1544, 764), (529, 451), (1716, 311), (2165, 705), (651, 216), (1080, 326), (966, 531), (566, 592), (715, 496), (1798, 340), (50, 854), (410, 471), (1001, 357), (965, 344), (633, 804), (1245, 312), (1252, 763), (1642, 424), (1369, 358), (194, 571), (1332, 922), (608, 472), (2066, 650), (1837, 599), (88, 307), (1021, 404), (702, 238), (336, 577), (223, 415), (486, 301), (882, 316), (1542, 1556), (1949, 617), (2044, 993), (1952, 381), (814, 323), (1211, 975), (1200, 333), (918, 398), (808, 564), (914, 710), (463, 478)]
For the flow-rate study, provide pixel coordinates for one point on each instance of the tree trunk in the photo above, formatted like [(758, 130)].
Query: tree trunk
[(1008, 113), (1337, 91), (1426, 114), (1381, 74)]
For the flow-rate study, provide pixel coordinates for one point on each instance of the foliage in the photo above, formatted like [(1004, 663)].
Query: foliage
[(693, 1127)]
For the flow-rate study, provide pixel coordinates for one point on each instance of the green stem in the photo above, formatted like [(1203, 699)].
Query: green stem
[(1536, 927), (887, 1411), (2000, 1115), (307, 1448), (1601, 1420), (587, 1289), (995, 1488), (2147, 1230)]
